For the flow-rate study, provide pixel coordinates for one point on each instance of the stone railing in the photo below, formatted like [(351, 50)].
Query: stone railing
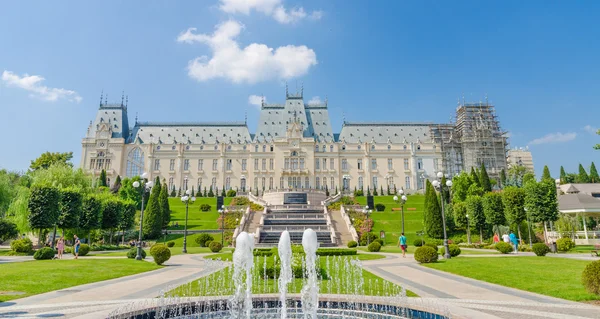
[(348, 222), (295, 216), (256, 200), (280, 228), (332, 199), (330, 225), (257, 235), (294, 207), (243, 223), (291, 189)]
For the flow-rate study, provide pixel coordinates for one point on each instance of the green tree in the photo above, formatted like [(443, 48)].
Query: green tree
[(445, 191), (516, 173), (513, 199), (128, 217), (582, 177), (62, 176), (432, 217), (540, 201), (459, 210), (484, 179), (91, 214), (112, 214), (546, 174), (494, 210), (460, 187), (563, 175), (594, 178), (128, 192), (8, 230), (476, 214), (153, 215), (475, 177), (116, 185), (70, 206), (102, 180), (597, 146), (43, 208), (48, 159), (164, 205), (571, 178), (528, 177), (502, 178), (210, 192)]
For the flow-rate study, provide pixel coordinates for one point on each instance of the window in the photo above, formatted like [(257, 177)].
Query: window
[(372, 147), (419, 163), (331, 148), (281, 182), (343, 147), (418, 147), (324, 148), (332, 183), (185, 184), (302, 163), (214, 183), (186, 164), (271, 148), (108, 182), (306, 182), (92, 163), (287, 163), (256, 183), (244, 164), (435, 164), (317, 164), (172, 165), (373, 163), (271, 164), (344, 164), (295, 164), (107, 164), (228, 183), (316, 148), (404, 147), (374, 182), (264, 164), (389, 147), (331, 164), (256, 164), (358, 147), (390, 165), (200, 164), (359, 164), (256, 148), (318, 182), (596, 195), (229, 164), (171, 185), (199, 185), (263, 182), (270, 182), (215, 164), (407, 182), (360, 182), (264, 148), (100, 163), (243, 184), (390, 182), (324, 164), (135, 163), (420, 183), (406, 163)]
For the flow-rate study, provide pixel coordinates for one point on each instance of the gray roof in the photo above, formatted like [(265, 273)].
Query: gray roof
[(116, 116), (588, 188), (579, 201), (384, 132), (191, 133)]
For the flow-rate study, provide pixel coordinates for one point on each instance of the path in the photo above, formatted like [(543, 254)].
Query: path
[(472, 298), (97, 300), (341, 229), (14, 259)]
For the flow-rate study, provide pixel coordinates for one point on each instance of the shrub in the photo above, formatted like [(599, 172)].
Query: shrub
[(453, 249), (44, 253), (374, 247), (352, 244), (379, 240), (205, 207), (504, 248), (207, 243), (540, 249), (379, 207), (418, 242), (525, 248), (426, 254), (437, 242), (203, 238), (366, 238), (262, 253), (170, 244), (84, 249), (231, 193), (132, 253), (434, 246), (256, 207), (591, 277), (22, 245), (215, 246), (8, 230), (359, 192), (335, 252), (160, 253), (565, 244)]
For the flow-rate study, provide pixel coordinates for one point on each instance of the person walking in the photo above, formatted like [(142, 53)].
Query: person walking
[(76, 246), (506, 238), (514, 241), (402, 244), (60, 246), (496, 238)]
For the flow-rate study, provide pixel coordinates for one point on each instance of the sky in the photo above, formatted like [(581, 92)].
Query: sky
[(213, 60)]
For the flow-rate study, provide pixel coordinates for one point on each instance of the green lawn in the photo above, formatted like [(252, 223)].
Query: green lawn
[(391, 221), (556, 277), (8, 252), (36, 277), (197, 219), (411, 249)]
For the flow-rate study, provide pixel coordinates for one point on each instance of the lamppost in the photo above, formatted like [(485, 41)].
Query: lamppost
[(438, 185), (401, 201), (145, 186), (222, 212), (468, 230), (528, 227), (367, 211), (186, 199)]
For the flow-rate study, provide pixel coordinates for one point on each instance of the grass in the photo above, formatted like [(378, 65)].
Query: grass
[(391, 221), (556, 277), (36, 277), (8, 252), (197, 219), (411, 249), (228, 256)]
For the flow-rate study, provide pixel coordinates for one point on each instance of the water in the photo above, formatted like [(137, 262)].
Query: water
[(243, 263), (310, 290), (285, 275)]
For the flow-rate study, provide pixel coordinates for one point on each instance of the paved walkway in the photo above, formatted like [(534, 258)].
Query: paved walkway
[(472, 298)]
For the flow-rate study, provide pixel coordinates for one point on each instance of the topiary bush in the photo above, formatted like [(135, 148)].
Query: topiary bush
[(418, 242), (591, 277), (454, 250), (352, 244), (565, 244), (205, 207), (160, 253), (367, 238), (231, 193), (132, 253), (170, 244), (22, 245), (379, 240), (207, 243), (374, 247), (8, 230), (432, 245), (44, 253), (335, 252), (84, 249), (504, 248), (379, 207), (215, 246), (426, 254), (540, 249), (203, 238)]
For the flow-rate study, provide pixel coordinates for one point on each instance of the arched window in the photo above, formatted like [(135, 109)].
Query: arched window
[(256, 148), (306, 182), (324, 148), (372, 147), (171, 185), (135, 163), (270, 182), (264, 148), (331, 148), (318, 182), (358, 147), (317, 148), (228, 183), (389, 147)]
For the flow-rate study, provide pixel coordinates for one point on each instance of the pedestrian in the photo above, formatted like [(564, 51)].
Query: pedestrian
[(514, 241), (496, 238), (76, 246), (506, 238), (402, 244), (60, 246)]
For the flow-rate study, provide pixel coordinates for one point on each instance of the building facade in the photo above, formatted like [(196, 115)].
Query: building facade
[(294, 146), (520, 157)]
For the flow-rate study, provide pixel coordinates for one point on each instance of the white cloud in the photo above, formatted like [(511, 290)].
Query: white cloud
[(590, 129), (272, 8), (254, 63), (315, 101), (33, 84), (256, 100), (554, 138)]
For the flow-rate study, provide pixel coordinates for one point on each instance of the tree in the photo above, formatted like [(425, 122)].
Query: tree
[(368, 191), (374, 191), (210, 192), (117, 185), (8, 230), (528, 177), (582, 177), (381, 193), (594, 178), (153, 215), (597, 146), (475, 177), (128, 217), (112, 214), (43, 208), (445, 191), (513, 199), (91, 214), (540, 201), (484, 179), (70, 205), (432, 217), (563, 176), (459, 211), (460, 187), (493, 209), (48, 159), (164, 205), (502, 178), (515, 175), (546, 174), (102, 180), (571, 178), (128, 192), (62, 176), (476, 214)]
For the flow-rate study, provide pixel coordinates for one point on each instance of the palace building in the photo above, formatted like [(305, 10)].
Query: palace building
[(294, 146)]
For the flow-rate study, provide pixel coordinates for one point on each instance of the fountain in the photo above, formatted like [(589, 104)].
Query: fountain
[(347, 295)]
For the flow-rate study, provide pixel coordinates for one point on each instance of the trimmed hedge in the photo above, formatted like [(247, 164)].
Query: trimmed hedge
[(370, 236), (453, 249), (352, 244), (22, 245), (132, 253), (336, 252), (434, 246), (262, 253), (170, 244), (84, 249), (565, 244), (379, 207), (205, 207), (504, 248), (44, 253), (374, 247), (540, 249), (203, 238), (591, 277), (426, 254), (160, 253), (418, 242), (215, 247), (379, 240)]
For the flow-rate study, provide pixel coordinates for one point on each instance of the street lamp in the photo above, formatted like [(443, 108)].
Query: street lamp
[(438, 185), (401, 201), (468, 230), (144, 186), (186, 199), (222, 212), (367, 211), (528, 227)]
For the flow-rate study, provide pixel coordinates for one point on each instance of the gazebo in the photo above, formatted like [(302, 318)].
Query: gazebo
[(577, 204)]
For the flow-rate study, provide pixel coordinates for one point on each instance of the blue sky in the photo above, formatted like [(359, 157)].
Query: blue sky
[(537, 61)]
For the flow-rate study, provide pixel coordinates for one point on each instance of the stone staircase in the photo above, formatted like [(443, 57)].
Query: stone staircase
[(342, 233)]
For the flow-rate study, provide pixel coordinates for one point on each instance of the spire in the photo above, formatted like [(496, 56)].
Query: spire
[(126, 101), (302, 89), (106, 99), (246, 116), (101, 94), (286, 89), (122, 97), (262, 101), (326, 100), (136, 118)]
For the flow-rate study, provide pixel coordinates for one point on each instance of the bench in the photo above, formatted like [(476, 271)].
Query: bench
[(397, 209), (596, 250)]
